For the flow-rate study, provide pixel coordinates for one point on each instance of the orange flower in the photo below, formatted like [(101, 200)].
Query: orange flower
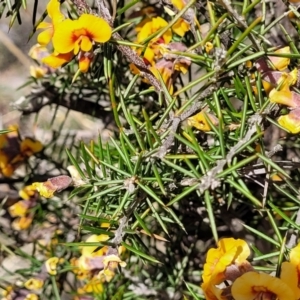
[(253, 285), (76, 35), (53, 9)]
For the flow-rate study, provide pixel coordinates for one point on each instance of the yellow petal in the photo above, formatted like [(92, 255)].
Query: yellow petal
[(291, 121), (295, 256), (200, 122), (252, 285), (34, 284), (46, 189), (63, 39), (19, 209), (29, 146), (57, 60), (97, 28), (86, 44), (51, 265), (289, 275), (53, 9), (181, 27), (281, 63), (45, 37)]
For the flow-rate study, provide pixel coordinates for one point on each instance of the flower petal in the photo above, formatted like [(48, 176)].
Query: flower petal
[(53, 9), (63, 39), (251, 285), (57, 60), (281, 63), (44, 37), (291, 121), (97, 28), (86, 44)]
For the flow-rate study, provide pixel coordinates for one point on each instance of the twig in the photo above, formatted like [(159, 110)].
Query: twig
[(240, 20), (209, 180), (167, 144), (43, 96)]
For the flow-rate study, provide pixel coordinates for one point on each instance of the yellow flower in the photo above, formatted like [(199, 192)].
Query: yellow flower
[(91, 259), (34, 284), (52, 185), (208, 47), (110, 262), (19, 209), (51, 265), (45, 189), (253, 285), (281, 63), (76, 35), (53, 9), (181, 27), (229, 251), (199, 121), (291, 121)]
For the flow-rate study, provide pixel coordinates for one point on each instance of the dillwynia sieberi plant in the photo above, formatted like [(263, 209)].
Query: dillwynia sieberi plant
[(189, 160)]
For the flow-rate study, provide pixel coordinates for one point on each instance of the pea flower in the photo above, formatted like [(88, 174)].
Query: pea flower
[(230, 252), (52, 185), (51, 265), (76, 35), (253, 285), (34, 284)]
